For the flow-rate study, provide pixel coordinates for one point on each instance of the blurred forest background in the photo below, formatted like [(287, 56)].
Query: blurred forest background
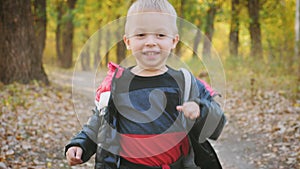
[(256, 39), (258, 42)]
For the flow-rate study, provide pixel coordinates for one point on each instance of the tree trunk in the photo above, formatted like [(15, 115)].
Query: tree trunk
[(234, 28), (121, 51), (209, 30), (297, 46), (85, 55), (196, 43), (107, 45), (67, 36), (59, 9), (121, 48), (254, 29), (40, 24), (297, 30), (20, 56), (64, 33), (97, 57), (181, 15)]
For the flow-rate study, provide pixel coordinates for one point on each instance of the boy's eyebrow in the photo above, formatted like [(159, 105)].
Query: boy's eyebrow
[(162, 31), (143, 30), (139, 30)]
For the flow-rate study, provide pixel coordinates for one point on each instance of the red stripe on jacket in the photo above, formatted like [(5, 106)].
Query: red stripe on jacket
[(154, 150)]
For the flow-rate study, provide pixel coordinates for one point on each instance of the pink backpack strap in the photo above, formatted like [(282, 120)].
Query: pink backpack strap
[(103, 91), (208, 87)]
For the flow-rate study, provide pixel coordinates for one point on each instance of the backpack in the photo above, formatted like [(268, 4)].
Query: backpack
[(204, 154)]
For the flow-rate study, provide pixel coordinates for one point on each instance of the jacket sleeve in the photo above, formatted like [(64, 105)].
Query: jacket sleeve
[(212, 119), (87, 137), (88, 146)]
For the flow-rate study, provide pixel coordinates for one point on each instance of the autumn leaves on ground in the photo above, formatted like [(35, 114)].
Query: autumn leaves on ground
[(37, 121)]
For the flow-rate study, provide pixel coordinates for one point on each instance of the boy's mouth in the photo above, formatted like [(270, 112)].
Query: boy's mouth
[(151, 53)]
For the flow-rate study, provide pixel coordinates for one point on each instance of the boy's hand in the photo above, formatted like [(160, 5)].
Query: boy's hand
[(74, 155), (191, 110)]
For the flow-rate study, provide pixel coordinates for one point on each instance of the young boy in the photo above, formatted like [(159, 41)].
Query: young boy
[(140, 124)]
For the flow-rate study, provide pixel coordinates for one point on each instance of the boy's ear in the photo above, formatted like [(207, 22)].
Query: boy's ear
[(175, 41), (127, 42)]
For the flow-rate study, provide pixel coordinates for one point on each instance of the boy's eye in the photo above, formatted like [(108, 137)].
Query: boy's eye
[(143, 35), (140, 35), (161, 35)]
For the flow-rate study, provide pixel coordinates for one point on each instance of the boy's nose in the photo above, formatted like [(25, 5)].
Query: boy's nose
[(150, 41)]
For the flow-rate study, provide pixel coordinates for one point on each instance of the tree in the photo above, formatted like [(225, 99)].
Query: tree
[(107, 46), (97, 56), (59, 9), (194, 12), (85, 56), (20, 48), (297, 44), (39, 12), (209, 27), (297, 29), (254, 28), (196, 43), (64, 33), (121, 51), (180, 8), (234, 28), (121, 48)]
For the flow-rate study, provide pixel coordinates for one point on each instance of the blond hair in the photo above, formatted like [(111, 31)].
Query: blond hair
[(161, 6)]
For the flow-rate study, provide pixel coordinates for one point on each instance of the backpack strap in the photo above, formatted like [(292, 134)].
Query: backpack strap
[(188, 160), (187, 84)]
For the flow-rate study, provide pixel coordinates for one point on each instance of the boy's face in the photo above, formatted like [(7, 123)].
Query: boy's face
[(151, 37)]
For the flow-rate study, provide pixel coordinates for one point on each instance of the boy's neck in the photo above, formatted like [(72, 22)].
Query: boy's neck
[(137, 70)]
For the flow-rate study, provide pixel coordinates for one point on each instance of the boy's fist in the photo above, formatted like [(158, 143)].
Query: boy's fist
[(74, 155), (191, 110)]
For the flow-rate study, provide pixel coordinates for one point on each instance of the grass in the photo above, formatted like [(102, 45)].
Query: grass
[(249, 74)]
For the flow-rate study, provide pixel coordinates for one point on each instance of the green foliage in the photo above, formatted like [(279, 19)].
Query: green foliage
[(277, 67), (196, 65), (277, 22)]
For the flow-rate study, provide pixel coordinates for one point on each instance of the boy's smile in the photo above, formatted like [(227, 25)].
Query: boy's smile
[(151, 54)]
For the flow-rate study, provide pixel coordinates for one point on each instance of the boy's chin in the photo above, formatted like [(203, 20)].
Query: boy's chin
[(153, 66)]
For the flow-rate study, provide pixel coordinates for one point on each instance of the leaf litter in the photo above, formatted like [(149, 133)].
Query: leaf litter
[(38, 121), (271, 122)]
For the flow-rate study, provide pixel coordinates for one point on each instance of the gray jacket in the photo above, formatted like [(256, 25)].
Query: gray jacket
[(100, 134)]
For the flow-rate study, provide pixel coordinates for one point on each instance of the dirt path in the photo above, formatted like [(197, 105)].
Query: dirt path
[(234, 151)]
